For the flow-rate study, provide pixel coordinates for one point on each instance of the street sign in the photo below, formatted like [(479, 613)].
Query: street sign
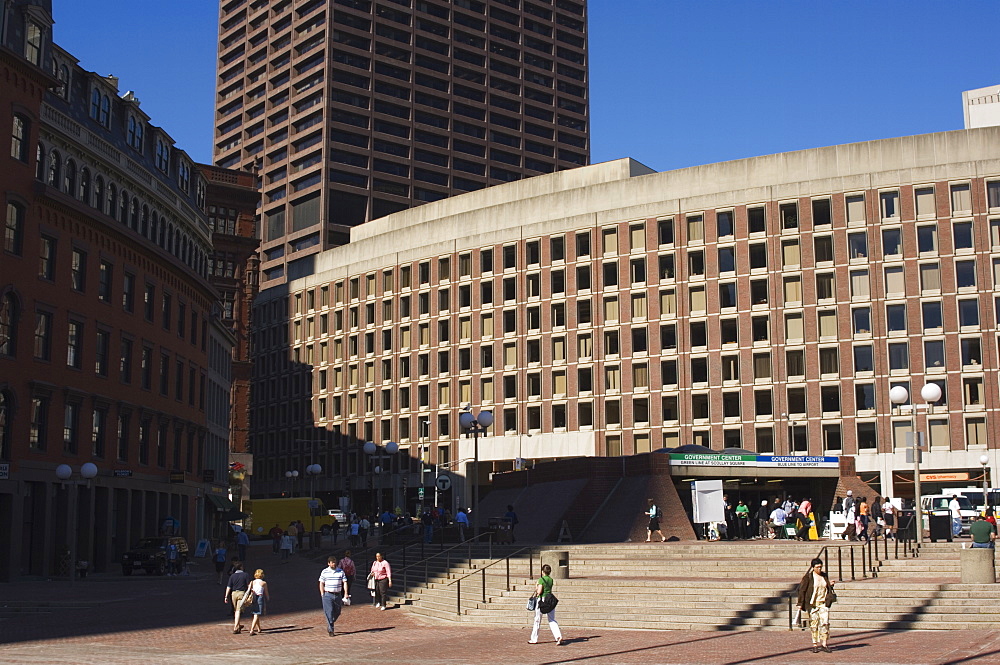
[(420, 493), (443, 483)]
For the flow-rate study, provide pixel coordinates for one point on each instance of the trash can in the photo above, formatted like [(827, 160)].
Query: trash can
[(559, 562), (978, 566), (906, 529), (939, 525)]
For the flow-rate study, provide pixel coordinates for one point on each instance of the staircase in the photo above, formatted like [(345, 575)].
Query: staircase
[(705, 586)]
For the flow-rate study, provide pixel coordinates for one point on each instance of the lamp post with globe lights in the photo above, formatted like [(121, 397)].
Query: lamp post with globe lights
[(64, 472), (899, 395), (476, 424), (312, 471), (984, 460), (292, 477)]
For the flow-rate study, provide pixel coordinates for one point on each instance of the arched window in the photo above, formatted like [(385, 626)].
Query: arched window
[(123, 208), (19, 139), (85, 185), (8, 325), (163, 232), (6, 416), (63, 77), (153, 226), (99, 193), (95, 105), (112, 199), (55, 164), (144, 228), (69, 177), (13, 233), (40, 163), (135, 214), (106, 111)]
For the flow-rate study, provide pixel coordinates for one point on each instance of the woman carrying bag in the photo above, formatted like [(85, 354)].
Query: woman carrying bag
[(816, 595), (546, 605)]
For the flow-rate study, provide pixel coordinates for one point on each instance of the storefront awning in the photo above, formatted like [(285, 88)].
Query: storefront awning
[(221, 503)]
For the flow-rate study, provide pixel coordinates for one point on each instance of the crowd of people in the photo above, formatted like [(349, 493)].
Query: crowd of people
[(771, 519)]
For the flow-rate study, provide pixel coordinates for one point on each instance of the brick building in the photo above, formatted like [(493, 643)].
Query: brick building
[(106, 317), (767, 304), (353, 109)]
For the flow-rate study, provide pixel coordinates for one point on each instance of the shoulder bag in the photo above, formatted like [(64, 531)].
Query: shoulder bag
[(532, 602), (548, 603)]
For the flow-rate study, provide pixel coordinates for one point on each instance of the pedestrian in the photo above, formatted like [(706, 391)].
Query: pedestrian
[(955, 508), (848, 502), (730, 514), (355, 532), (346, 564), (287, 544), (293, 531), (462, 520), (173, 560), (763, 516), (653, 526), (428, 522), (743, 519), (543, 589), (511, 517), (982, 532), (300, 532), (236, 588), (276, 532), (776, 523), (381, 572), (363, 527), (816, 595), (889, 515), (334, 587), (335, 528), (258, 587), (242, 540), (219, 557), (864, 517)]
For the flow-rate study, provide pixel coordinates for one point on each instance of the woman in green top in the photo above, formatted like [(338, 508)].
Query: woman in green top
[(542, 589), (743, 520)]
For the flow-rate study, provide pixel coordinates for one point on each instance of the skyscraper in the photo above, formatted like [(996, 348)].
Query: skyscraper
[(353, 109)]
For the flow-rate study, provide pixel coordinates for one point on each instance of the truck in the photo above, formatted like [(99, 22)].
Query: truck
[(265, 513), (938, 505)]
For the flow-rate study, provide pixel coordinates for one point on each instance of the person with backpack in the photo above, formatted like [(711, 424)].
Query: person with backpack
[(654, 513), (546, 605)]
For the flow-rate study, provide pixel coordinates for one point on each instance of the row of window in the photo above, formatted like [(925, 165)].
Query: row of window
[(100, 434)]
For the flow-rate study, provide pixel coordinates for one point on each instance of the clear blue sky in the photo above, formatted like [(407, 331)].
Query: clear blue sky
[(674, 83)]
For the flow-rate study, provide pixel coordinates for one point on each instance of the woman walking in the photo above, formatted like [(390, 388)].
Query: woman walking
[(287, 546), (542, 589), (381, 572), (219, 557), (653, 512), (815, 598), (258, 587), (346, 564)]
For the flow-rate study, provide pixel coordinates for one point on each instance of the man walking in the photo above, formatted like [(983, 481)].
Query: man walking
[(955, 508), (236, 588), (462, 520), (333, 589), (242, 540), (276, 533)]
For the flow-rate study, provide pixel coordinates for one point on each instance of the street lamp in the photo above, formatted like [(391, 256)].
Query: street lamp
[(476, 424), (312, 471), (64, 472), (985, 460), (898, 395), (292, 476), (390, 448)]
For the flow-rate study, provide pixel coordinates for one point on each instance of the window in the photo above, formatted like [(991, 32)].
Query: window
[(825, 286), (889, 204), (47, 258), (968, 312), (793, 289), (134, 134), (795, 362), (855, 209), (899, 356), (864, 360), (789, 253), (19, 139), (756, 220), (857, 244), (930, 277), (894, 282), (965, 273), (38, 428), (962, 234), (892, 242), (78, 270), (823, 247), (859, 284), (33, 43), (895, 316), (696, 228), (13, 228), (829, 360), (762, 365), (925, 202), (71, 427), (8, 325), (961, 198), (934, 354), (821, 212), (827, 323), (43, 335), (727, 259), (972, 352), (932, 315), (864, 396), (927, 238), (725, 227), (74, 345), (789, 214), (862, 320), (829, 397)]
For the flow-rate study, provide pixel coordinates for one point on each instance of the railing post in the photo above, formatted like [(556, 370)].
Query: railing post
[(508, 574), (484, 585), (852, 563), (531, 565), (491, 546), (866, 558), (840, 564), (458, 597), (826, 557), (790, 612)]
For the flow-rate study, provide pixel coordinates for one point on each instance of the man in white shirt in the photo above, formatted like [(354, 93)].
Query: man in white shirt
[(333, 589), (955, 508), (776, 524)]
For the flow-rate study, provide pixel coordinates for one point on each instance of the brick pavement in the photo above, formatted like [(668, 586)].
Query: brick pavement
[(113, 620)]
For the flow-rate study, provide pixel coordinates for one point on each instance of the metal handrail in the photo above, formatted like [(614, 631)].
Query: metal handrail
[(405, 570), (458, 581)]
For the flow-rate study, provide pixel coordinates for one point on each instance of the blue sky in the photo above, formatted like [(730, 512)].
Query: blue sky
[(674, 83)]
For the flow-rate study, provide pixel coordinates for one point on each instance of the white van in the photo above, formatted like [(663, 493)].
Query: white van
[(938, 503)]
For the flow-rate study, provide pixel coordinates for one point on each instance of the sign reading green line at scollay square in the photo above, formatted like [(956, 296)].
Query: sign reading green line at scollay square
[(796, 461)]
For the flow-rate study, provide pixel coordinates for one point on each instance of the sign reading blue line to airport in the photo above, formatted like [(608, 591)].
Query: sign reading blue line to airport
[(796, 461)]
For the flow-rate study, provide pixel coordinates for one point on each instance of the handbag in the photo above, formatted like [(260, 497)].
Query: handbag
[(248, 599), (371, 585), (548, 603), (532, 602), (831, 596)]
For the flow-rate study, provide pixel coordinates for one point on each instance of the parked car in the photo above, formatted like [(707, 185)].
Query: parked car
[(938, 505), (150, 554)]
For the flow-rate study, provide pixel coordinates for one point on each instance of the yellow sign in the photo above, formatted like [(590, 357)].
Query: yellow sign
[(942, 477)]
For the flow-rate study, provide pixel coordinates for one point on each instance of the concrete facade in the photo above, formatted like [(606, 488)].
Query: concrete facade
[(981, 107), (767, 303)]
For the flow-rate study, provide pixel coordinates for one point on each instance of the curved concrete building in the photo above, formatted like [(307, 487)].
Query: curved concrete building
[(767, 303)]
